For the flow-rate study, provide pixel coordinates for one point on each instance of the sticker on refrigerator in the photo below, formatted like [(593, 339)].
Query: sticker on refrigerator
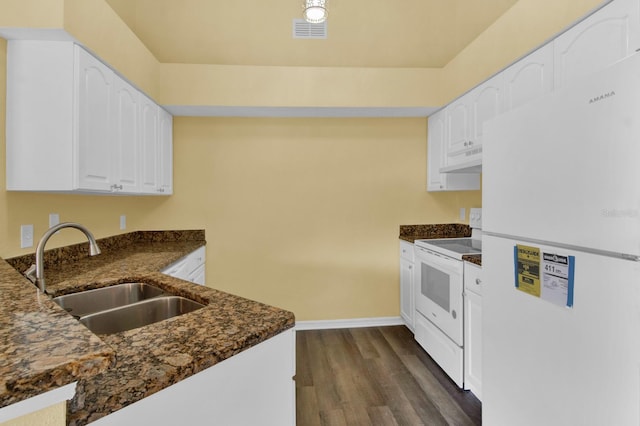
[(527, 261), (557, 279), (548, 276)]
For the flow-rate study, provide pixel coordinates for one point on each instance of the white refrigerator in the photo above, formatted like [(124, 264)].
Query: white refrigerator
[(561, 244)]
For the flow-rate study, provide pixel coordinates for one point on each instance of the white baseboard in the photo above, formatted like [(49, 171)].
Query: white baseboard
[(348, 323)]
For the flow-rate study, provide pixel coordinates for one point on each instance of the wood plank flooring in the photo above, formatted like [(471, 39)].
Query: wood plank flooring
[(375, 376)]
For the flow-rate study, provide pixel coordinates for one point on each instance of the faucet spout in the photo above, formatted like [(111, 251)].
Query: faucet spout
[(39, 266)]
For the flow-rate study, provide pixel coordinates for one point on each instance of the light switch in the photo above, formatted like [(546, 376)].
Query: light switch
[(463, 213), (123, 222), (26, 236)]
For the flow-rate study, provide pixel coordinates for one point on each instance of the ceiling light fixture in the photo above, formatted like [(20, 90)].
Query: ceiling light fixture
[(315, 11)]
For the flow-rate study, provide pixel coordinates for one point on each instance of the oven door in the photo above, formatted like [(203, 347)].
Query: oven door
[(439, 287)]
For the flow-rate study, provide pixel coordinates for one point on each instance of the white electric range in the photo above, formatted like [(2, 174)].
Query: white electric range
[(439, 296)]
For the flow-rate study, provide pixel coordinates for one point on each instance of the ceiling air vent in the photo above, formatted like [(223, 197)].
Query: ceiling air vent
[(303, 29)]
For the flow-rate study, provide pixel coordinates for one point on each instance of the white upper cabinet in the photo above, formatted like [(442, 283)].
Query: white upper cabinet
[(486, 103), (436, 181), (125, 149), (610, 34), (606, 36), (465, 118), (458, 119), (165, 151), (436, 140), (94, 83), (528, 78), (156, 149), (149, 145), (74, 125)]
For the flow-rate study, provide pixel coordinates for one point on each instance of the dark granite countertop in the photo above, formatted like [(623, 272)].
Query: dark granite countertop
[(42, 346), (156, 356), (411, 233), (473, 258)]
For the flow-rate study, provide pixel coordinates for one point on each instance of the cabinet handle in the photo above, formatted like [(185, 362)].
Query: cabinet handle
[(160, 190), (478, 281), (116, 187)]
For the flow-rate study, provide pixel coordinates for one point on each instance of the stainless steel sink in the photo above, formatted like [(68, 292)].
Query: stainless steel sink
[(124, 307), (138, 314), (101, 299)]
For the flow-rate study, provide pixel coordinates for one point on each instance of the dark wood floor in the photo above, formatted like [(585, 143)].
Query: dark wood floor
[(375, 376)]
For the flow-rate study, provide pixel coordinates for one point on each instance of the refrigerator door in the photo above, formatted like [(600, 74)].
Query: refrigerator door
[(565, 167), (545, 364)]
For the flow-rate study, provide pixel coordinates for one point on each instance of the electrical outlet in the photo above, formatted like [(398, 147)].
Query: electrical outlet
[(26, 236), (123, 222), (54, 219), (463, 213)]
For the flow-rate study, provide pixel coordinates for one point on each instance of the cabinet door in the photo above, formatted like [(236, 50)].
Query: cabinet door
[(148, 146), (165, 151), (473, 343), (407, 306), (94, 90), (125, 148), (485, 103), (603, 38), (458, 120), (528, 78), (436, 181)]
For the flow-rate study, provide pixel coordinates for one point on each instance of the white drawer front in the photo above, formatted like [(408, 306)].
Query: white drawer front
[(443, 350), (473, 278)]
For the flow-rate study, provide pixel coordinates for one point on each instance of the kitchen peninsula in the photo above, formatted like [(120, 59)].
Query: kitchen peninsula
[(47, 348)]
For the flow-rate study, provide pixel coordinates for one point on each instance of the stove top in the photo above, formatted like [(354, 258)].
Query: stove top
[(452, 247)]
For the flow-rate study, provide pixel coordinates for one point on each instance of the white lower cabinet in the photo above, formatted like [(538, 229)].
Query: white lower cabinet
[(189, 268), (473, 328), (254, 387), (75, 126), (407, 304)]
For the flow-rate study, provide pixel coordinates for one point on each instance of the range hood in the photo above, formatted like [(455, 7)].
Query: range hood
[(474, 166)]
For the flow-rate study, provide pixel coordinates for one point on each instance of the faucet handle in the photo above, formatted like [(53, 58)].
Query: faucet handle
[(31, 273)]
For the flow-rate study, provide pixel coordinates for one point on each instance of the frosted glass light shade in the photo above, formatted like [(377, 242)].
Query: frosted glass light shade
[(315, 11)]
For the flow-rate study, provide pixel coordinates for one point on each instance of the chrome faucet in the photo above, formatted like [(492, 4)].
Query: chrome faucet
[(38, 268)]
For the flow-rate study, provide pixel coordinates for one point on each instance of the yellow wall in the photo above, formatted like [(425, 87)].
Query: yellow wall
[(32, 13), (300, 213), (304, 213), (299, 86)]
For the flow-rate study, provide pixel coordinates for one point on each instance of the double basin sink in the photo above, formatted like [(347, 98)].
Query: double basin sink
[(124, 307)]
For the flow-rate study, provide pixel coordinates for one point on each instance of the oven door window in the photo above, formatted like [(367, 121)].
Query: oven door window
[(435, 285)]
